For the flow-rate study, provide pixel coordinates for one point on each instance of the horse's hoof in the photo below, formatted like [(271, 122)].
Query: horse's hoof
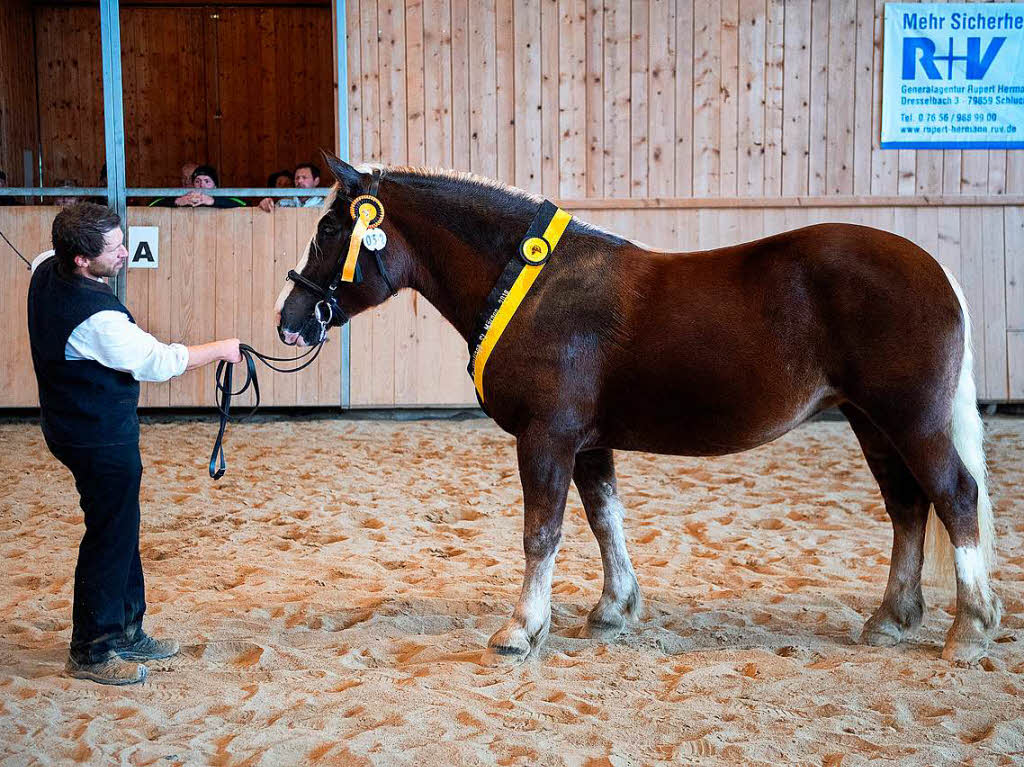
[(510, 643), (884, 633), (964, 653), (603, 630)]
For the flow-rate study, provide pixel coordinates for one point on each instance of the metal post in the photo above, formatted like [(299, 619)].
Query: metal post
[(113, 121), (341, 60)]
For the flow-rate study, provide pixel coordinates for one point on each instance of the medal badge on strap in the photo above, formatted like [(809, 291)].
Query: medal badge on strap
[(368, 213)]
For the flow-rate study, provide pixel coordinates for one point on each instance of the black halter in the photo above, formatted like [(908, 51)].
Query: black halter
[(327, 310)]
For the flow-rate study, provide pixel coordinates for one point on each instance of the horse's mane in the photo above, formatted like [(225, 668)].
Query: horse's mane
[(463, 200)]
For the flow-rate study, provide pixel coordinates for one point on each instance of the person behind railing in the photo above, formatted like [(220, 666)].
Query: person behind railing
[(89, 355), (203, 177), (307, 176), (10, 200), (65, 183), (282, 179)]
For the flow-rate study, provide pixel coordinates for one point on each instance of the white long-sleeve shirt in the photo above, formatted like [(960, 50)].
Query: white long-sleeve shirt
[(114, 341)]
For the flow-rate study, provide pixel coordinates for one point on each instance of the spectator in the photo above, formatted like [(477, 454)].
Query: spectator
[(11, 200), (307, 176), (203, 177), (186, 173), (283, 179), (65, 183)]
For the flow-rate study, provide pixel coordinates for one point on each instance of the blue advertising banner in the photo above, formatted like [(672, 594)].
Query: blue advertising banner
[(953, 76)]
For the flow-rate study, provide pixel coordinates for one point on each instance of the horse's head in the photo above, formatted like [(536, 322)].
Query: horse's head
[(336, 277)]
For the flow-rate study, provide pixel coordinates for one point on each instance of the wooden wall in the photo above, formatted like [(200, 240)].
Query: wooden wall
[(645, 99), (18, 127), (220, 273), (248, 89)]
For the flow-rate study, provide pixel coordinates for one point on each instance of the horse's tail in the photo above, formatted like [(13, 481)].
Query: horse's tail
[(968, 438)]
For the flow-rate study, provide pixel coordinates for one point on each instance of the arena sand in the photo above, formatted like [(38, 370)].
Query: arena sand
[(334, 592)]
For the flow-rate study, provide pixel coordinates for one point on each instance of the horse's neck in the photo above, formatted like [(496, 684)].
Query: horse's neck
[(454, 275)]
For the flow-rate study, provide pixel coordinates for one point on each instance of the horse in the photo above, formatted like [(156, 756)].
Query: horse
[(618, 346)]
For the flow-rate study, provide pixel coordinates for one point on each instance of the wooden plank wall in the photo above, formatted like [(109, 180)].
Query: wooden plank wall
[(618, 108), (18, 128), (220, 273), (248, 89)]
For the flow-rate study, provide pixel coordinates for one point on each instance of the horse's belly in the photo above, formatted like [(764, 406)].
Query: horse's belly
[(710, 422)]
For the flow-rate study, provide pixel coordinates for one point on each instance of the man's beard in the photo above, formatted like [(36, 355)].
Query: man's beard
[(97, 270)]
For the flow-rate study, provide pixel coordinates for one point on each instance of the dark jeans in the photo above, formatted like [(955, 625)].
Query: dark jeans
[(110, 594)]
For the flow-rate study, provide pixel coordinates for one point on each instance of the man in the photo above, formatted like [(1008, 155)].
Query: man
[(203, 177), (307, 176), (89, 356)]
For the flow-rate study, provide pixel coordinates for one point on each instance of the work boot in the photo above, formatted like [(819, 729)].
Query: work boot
[(143, 647), (113, 670)]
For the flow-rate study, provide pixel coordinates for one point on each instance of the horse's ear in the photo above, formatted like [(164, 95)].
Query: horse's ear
[(351, 180)]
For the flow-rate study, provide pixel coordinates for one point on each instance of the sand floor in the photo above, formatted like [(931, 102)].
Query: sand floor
[(334, 592)]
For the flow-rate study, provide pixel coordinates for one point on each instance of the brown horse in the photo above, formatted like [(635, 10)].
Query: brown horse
[(618, 346)]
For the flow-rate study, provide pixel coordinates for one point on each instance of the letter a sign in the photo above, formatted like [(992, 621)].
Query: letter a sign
[(143, 247)]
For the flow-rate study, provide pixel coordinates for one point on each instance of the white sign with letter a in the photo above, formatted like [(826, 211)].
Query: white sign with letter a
[(143, 247)]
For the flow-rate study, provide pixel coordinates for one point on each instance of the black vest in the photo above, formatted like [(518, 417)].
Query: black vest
[(82, 403)]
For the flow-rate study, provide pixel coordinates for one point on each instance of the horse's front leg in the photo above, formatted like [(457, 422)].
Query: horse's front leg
[(621, 600), (545, 469)]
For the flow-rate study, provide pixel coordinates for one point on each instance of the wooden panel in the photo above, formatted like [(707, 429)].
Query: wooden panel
[(505, 91), (460, 85), (796, 98), (863, 97), (994, 292), (661, 126), (17, 90), (162, 133), (751, 98), (528, 95), (70, 94), (774, 96), (685, 98), (706, 90), (639, 106), (616, 99), (483, 92), (818, 147), (728, 97), (595, 98), (841, 97)]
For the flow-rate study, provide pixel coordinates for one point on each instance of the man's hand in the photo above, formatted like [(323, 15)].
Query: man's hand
[(267, 204), (231, 352)]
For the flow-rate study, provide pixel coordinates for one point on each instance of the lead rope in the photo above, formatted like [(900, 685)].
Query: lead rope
[(224, 371)]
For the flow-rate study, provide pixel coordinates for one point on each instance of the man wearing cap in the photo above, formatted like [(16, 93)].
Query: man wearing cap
[(89, 355)]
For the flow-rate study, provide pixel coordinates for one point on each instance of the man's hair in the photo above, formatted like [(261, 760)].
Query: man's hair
[(206, 170), (79, 229), (3, 176), (312, 169)]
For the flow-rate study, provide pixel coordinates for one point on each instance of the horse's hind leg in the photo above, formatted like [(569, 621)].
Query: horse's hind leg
[(902, 606), (965, 512), (620, 599)]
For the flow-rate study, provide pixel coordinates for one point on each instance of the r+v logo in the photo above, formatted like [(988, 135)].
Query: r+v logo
[(922, 49)]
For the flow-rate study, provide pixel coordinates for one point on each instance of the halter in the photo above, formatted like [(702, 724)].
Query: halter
[(368, 213)]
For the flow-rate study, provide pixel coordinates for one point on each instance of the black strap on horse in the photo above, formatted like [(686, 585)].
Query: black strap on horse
[(326, 312), (224, 370)]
